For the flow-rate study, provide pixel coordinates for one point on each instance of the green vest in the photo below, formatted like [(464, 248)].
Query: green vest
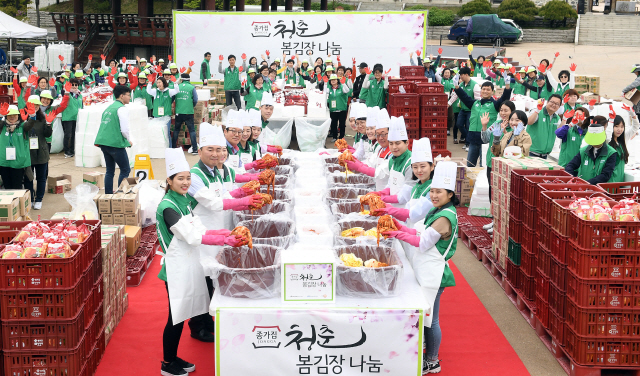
[(364, 94), (109, 133), (232, 79), (18, 141), (207, 178), (543, 132), (162, 99), (401, 163), (567, 107), (475, 125), (255, 96), (571, 147), (489, 153), (590, 168), (59, 86), (71, 112), (534, 93), (376, 94), (337, 99), (518, 88), (544, 93), (182, 205), (141, 92), (184, 99), (618, 172), (421, 189), (468, 88), (206, 74), (498, 81), (479, 70), (245, 150), (47, 112), (448, 211), (22, 101)]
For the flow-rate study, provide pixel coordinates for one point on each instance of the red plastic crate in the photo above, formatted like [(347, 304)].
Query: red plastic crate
[(433, 122), (438, 144), (435, 134), (595, 235), (404, 100), (433, 111), (544, 260), (528, 286), (134, 272), (542, 285), (434, 99), (619, 191), (556, 326), (429, 87), (531, 191), (529, 238), (602, 322), (542, 311), (558, 273), (602, 352), (145, 254), (530, 217), (412, 123), (555, 206), (528, 262), (411, 71), (559, 245), (394, 87), (612, 264), (406, 112), (544, 235), (441, 152), (518, 175), (603, 293), (515, 229), (515, 207), (557, 299), (413, 134)]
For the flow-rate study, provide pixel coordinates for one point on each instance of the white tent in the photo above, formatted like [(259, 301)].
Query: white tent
[(12, 28)]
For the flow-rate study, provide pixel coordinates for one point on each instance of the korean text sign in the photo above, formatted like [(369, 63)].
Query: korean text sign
[(368, 37), (318, 342)]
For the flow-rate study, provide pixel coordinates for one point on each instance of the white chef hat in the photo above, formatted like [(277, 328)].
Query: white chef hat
[(267, 99), (372, 112), (353, 113), (397, 129), (175, 161), (383, 119), (234, 119), (207, 135), (218, 137), (243, 118), (372, 119), (421, 151), (444, 175), (255, 120)]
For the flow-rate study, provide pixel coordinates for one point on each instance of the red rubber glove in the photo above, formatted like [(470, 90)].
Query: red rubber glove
[(403, 228), (191, 63), (221, 57), (101, 56), (4, 109), (529, 54), (401, 214), (183, 69), (170, 58), (439, 51), (612, 113), (244, 56), (411, 239), (384, 192), (241, 203), (566, 98), (568, 114), (274, 149), (52, 81), (62, 57), (222, 231), (245, 178), (557, 54), (238, 193), (390, 199), (573, 67), (361, 168)]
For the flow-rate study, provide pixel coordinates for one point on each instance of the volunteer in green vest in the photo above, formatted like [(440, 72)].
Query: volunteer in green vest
[(566, 78), (59, 85), (205, 68), (338, 93), (479, 107), (377, 89), (15, 156), (494, 75), (172, 81), (476, 64), (256, 91), (247, 83), (266, 108), (462, 123), (542, 89), (173, 68), (595, 162), (186, 100), (570, 101), (244, 148), (619, 138), (543, 123), (22, 90), (162, 99), (70, 117), (634, 85), (289, 74), (140, 94), (44, 84), (436, 241), (400, 171), (232, 80), (113, 137), (516, 86), (572, 134), (181, 233), (445, 77)]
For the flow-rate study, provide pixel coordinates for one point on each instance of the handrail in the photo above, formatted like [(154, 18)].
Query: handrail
[(108, 47), (87, 39)]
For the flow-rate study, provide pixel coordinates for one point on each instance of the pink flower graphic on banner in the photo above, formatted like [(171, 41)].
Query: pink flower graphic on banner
[(238, 340), (258, 318), (223, 343), (346, 18), (190, 40), (179, 43), (393, 354), (235, 320)]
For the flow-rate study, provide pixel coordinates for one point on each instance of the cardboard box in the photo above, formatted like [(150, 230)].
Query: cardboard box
[(117, 203), (104, 203), (96, 178), (586, 97), (24, 196), (132, 235), (9, 208), (107, 219), (128, 185), (130, 203), (119, 219), (54, 187), (132, 219)]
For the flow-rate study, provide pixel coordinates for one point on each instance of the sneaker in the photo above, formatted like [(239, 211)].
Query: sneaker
[(185, 365), (172, 369), (488, 226), (430, 367), (37, 205), (462, 140), (448, 132), (455, 141), (204, 336), (490, 231), (67, 155), (194, 152)]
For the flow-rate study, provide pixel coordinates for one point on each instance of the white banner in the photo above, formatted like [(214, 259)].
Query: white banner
[(318, 342), (385, 38)]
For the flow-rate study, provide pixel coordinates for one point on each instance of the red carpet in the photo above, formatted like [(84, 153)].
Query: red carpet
[(472, 342)]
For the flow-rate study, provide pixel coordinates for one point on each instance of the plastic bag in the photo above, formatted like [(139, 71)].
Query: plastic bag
[(364, 282), (272, 229), (277, 132), (278, 194), (352, 180), (158, 137), (244, 272), (312, 214), (311, 133), (81, 200), (276, 207), (314, 233), (366, 223), (352, 209), (308, 196), (57, 138), (344, 194), (149, 195)]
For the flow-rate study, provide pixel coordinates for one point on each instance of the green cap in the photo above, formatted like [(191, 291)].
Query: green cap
[(167, 71), (34, 99), (78, 74), (23, 79), (329, 69), (251, 70), (173, 66), (595, 135), (142, 75), (333, 77), (13, 110), (122, 74), (46, 94)]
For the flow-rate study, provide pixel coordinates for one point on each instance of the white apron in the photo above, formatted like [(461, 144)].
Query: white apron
[(233, 161), (227, 215), (429, 267), (188, 293), (397, 179), (246, 158), (212, 220)]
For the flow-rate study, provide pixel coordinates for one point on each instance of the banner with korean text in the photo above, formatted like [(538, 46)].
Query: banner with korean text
[(318, 342), (385, 38)]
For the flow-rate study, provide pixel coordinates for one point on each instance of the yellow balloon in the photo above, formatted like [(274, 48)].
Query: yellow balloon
[(470, 47)]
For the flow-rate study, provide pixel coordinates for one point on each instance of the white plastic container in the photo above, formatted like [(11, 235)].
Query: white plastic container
[(40, 58)]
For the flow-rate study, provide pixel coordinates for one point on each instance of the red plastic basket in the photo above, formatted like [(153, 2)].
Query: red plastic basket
[(530, 217), (413, 134), (615, 265), (394, 87), (542, 311), (528, 262), (434, 99), (514, 274), (602, 352), (435, 134), (518, 175), (411, 71), (544, 235), (441, 152), (528, 286), (559, 245), (531, 192), (433, 111), (558, 273), (134, 272), (515, 207), (602, 322), (515, 229), (427, 87), (557, 299), (595, 235), (603, 293), (406, 112), (555, 206), (529, 239), (542, 285), (438, 144), (412, 123), (433, 122), (544, 261), (556, 327), (619, 191), (404, 100)]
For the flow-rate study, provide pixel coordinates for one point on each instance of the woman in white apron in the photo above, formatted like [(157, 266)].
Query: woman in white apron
[(400, 163), (181, 233), (258, 150), (436, 240)]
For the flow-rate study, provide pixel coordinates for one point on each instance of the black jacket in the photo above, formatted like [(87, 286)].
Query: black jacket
[(474, 137), (357, 85), (574, 166), (42, 130)]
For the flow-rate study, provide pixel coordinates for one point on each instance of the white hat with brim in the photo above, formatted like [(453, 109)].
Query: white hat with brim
[(444, 176), (255, 120), (383, 119), (421, 151), (267, 100), (397, 129), (34, 99), (13, 110), (46, 94), (234, 120), (23, 79), (175, 161)]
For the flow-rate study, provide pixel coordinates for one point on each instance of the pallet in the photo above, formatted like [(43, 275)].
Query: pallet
[(491, 264), (478, 245), (526, 307)]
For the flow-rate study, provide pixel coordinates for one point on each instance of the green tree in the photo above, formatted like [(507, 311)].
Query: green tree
[(440, 17), (475, 7), (557, 10), (518, 10), (15, 8)]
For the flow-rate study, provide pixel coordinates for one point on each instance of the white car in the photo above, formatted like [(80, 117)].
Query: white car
[(514, 24)]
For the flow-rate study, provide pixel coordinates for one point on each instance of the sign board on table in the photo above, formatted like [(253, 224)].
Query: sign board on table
[(308, 35), (308, 277)]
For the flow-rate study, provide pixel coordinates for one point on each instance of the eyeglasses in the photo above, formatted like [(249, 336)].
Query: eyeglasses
[(236, 132), (382, 134), (564, 76), (555, 104)]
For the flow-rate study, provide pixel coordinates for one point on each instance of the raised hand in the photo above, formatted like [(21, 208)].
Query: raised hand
[(566, 98), (484, 119), (52, 81), (244, 82), (33, 80), (512, 70), (90, 57), (343, 80), (418, 53), (387, 71), (592, 103), (67, 86), (518, 76), (470, 48), (542, 68), (103, 57), (612, 113), (540, 104), (124, 60), (61, 57), (505, 60), (337, 59), (240, 69), (568, 114), (34, 69), (183, 69), (191, 63), (267, 52), (135, 70), (557, 54), (23, 114), (170, 58), (4, 109), (221, 57), (573, 67), (244, 56), (354, 60), (31, 108), (14, 70), (325, 79), (368, 70), (52, 115), (529, 54), (440, 51), (550, 66), (173, 78), (626, 108)]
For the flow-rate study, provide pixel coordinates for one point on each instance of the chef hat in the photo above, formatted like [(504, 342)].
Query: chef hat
[(207, 135), (383, 119), (267, 99), (444, 175), (245, 121), (255, 120), (175, 161), (234, 120), (361, 111), (219, 139), (372, 112), (421, 151), (354, 110), (372, 118), (397, 129)]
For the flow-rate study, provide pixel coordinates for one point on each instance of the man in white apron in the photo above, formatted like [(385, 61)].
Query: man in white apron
[(211, 202), (266, 108), (436, 241)]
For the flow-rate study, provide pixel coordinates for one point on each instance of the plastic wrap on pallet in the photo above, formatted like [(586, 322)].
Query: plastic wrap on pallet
[(139, 132), (272, 229), (88, 124), (81, 200), (312, 133)]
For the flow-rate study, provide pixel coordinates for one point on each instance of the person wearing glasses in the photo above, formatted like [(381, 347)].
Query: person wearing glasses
[(567, 80), (543, 122)]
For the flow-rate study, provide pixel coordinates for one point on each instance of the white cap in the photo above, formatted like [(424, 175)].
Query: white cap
[(397, 129), (207, 135), (372, 112), (175, 161), (421, 151), (354, 110), (267, 99), (243, 119), (444, 175), (383, 119), (234, 120), (372, 120), (218, 137), (254, 117)]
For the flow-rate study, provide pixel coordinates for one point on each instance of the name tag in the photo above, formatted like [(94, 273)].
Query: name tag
[(573, 138), (11, 154), (257, 104), (33, 143), (160, 111), (586, 163), (333, 104)]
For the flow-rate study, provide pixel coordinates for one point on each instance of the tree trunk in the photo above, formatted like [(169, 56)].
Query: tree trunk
[(38, 13)]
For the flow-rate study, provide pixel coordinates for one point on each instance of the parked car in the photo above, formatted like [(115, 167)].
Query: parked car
[(487, 28)]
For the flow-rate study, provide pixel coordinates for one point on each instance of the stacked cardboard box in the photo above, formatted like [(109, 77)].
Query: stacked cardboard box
[(121, 207), (14, 205), (95, 177), (59, 184), (587, 84), (217, 91), (114, 276), (500, 205)]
